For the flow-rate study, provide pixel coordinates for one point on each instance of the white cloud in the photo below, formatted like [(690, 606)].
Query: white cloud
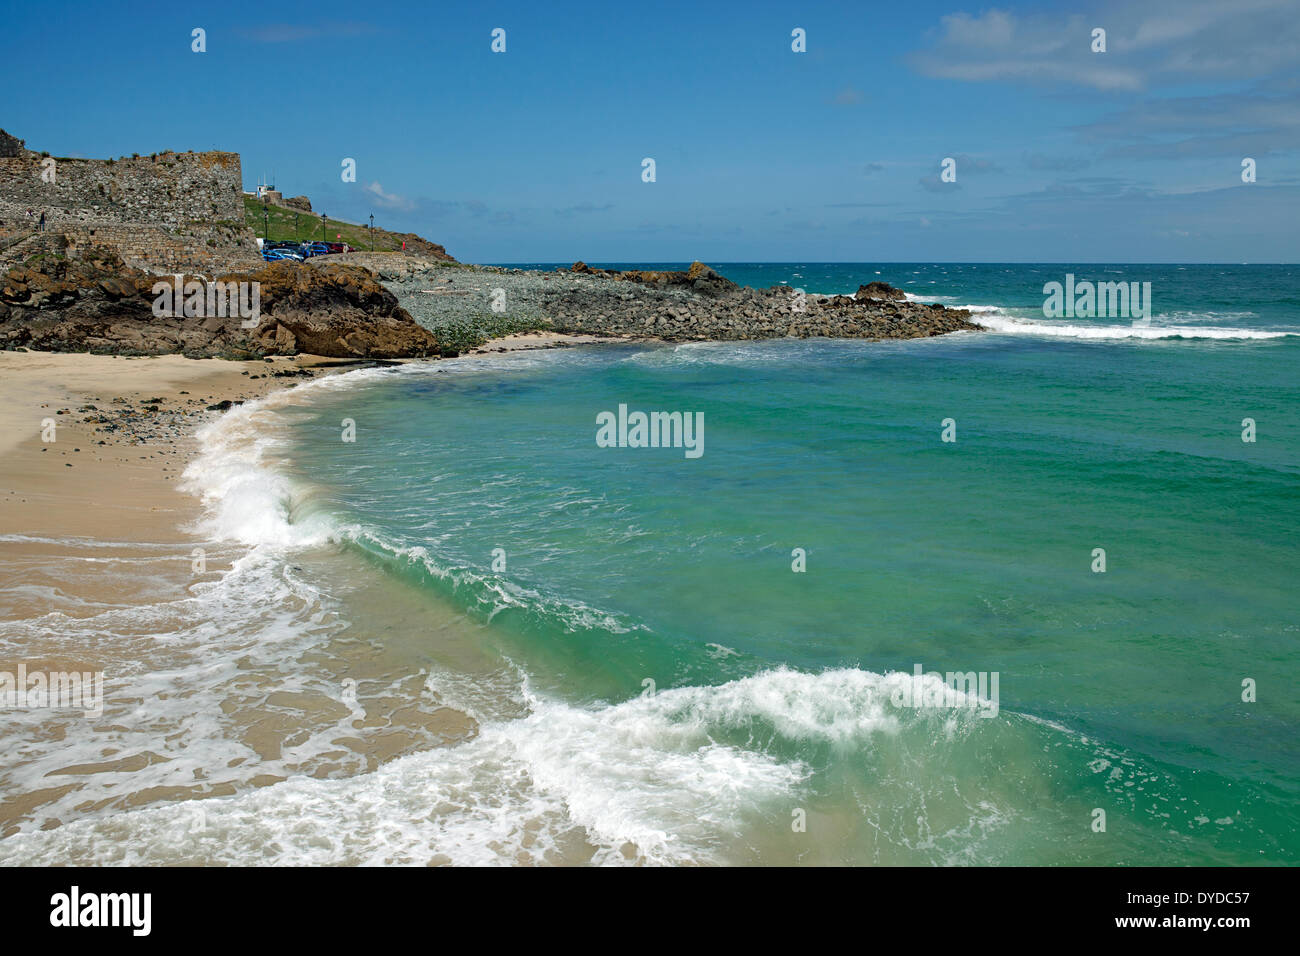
[(1147, 44), (388, 200)]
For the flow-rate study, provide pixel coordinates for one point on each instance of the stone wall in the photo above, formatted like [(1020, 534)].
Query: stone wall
[(165, 211), (207, 251), (10, 146)]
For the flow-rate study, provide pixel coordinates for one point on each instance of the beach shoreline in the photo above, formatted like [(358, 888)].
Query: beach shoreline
[(123, 432), (344, 683), (96, 518)]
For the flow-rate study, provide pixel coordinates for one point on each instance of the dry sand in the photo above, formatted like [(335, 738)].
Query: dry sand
[(120, 483)]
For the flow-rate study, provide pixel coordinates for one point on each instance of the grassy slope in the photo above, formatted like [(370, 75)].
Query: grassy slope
[(291, 224)]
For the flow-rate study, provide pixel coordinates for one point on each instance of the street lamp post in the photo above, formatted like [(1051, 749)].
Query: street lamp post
[(372, 232), (322, 227)]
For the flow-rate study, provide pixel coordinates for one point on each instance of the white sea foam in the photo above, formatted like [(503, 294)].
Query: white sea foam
[(174, 669), (246, 499), (677, 776), (76, 541), (997, 321), (930, 297), (238, 473), (1165, 326)]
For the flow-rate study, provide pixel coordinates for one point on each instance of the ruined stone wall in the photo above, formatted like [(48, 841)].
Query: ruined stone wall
[(169, 189), (10, 146), (166, 211), (208, 251)]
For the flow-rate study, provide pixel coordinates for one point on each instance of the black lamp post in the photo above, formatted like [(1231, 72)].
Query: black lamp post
[(266, 222), (372, 232)]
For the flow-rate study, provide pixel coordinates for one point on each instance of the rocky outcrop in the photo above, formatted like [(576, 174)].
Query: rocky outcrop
[(98, 304), (698, 277), (880, 290), (749, 314), (301, 203), (417, 245), (339, 311), (701, 304), (690, 305)]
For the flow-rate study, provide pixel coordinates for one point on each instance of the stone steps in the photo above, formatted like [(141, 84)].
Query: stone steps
[(15, 250)]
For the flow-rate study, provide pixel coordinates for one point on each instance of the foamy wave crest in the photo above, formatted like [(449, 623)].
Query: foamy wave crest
[(237, 473), (246, 499), (674, 777), (488, 594), (996, 321), (249, 500)]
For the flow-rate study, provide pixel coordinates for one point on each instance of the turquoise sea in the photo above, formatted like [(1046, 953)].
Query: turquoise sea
[(710, 659)]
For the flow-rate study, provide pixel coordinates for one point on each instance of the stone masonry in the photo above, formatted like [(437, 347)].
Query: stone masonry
[(162, 213)]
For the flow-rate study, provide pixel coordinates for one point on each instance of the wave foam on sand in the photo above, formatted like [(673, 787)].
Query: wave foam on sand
[(674, 777)]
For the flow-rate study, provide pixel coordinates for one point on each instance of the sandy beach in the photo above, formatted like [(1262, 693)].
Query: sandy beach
[(94, 531), (123, 433), (97, 481)]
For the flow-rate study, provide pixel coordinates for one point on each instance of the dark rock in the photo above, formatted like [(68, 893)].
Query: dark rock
[(700, 304), (98, 304), (880, 290)]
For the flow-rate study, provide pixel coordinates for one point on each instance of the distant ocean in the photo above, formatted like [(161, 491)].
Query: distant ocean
[(651, 679)]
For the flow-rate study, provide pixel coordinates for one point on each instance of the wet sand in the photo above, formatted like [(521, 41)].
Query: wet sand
[(96, 559)]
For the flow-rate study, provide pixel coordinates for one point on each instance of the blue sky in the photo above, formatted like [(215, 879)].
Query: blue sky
[(762, 154)]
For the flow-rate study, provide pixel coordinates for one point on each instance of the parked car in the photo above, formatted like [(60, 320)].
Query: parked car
[(316, 248), (274, 255), (336, 247)]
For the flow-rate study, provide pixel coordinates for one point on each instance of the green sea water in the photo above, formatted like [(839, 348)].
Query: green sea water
[(768, 601)]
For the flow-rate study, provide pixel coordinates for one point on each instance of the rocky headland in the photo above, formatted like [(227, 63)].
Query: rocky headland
[(384, 306), (674, 306), (80, 277)]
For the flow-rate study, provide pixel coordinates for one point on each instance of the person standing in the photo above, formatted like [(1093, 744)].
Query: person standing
[(42, 220)]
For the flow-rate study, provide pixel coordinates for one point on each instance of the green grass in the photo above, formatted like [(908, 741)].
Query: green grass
[(289, 224)]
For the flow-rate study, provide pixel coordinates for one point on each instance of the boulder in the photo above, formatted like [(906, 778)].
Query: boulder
[(880, 290), (98, 304)]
